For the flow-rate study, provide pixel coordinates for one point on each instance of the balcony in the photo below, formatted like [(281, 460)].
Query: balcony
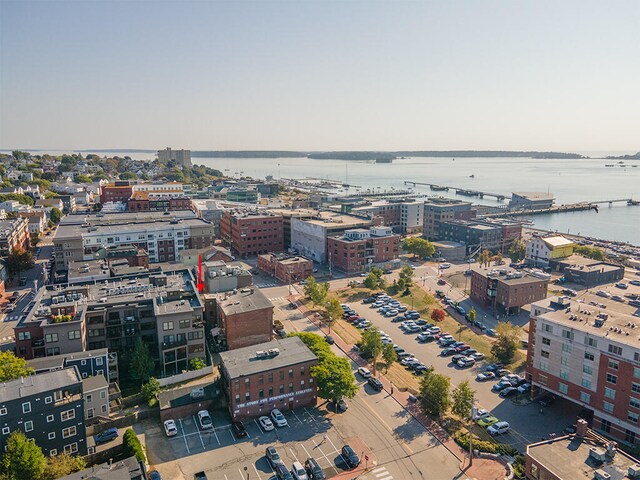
[(37, 342), (174, 344)]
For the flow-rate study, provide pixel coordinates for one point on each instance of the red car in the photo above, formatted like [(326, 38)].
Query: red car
[(441, 282), (353, 318)]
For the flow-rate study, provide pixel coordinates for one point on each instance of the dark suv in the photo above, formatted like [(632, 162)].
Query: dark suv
[(274, 458), (313, 469), (375, 384), (350, 457)]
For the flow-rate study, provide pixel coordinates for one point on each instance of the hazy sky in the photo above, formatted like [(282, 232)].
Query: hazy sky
[(561, 75)]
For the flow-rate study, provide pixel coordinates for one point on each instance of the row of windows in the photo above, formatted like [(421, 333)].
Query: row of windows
[(261, 378), (247, 395)]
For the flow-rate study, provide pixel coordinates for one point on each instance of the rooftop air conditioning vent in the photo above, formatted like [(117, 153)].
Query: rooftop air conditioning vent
[(601, 475), (634, 471), (598, 454)]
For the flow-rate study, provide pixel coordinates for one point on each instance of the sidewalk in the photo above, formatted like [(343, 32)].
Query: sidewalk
[(482, 469)]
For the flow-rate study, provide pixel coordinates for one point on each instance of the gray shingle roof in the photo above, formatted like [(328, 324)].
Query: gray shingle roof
[(34, 384)]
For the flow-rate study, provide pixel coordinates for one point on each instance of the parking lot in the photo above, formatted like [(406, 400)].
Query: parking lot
[(221, 455)]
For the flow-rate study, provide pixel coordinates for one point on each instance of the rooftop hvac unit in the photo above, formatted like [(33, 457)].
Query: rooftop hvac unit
[(274, 351), (262, 354), (598, 454), (601, 475), (634, 471)]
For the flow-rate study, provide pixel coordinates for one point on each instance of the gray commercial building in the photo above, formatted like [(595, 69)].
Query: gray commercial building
[(438, 210), (473, 234)]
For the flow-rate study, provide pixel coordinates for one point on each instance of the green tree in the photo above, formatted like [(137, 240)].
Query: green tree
[(437, 315), (462, 398), (472, 314), (517, 251), (371, 345), (35, 239), (315, 343), (419, 247), (141, 363), (197, 363), (131, 445), (150, 390), (389, 355), (405, 279), (12, 367), (332, 311), (594, 253), (373, 282), (316, 292), (334, 378), (80, 178), (128, 176), (62, 465), (434, 393), (19, 260), (499, 258), (506, 344), (56, 215), (484, 257), (23, 459)]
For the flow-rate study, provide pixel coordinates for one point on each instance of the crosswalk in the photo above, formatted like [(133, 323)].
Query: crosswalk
[(277, 299), (267, 285), (382, 474)]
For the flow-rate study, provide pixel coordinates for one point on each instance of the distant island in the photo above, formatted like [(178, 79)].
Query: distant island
[(625, 157), (373, 155)]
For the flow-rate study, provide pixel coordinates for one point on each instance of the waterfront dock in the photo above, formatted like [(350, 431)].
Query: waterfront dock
[(460, 191), (570, 207)]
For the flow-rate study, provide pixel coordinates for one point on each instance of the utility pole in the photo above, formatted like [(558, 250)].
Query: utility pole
[(470, 445)]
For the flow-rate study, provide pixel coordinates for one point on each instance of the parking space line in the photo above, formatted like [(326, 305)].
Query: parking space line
[(259, 427), (294, 455), (255, 469), (332, 444), (184, 437), (241, 474), (233, 438), (199, 435), (325, 457), (294, 414), (310, 416), (214, 432)]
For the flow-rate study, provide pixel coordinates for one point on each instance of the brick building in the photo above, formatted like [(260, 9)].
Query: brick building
[(252, 233), (14, 234), (146, 202), (356, 249), (284, 267), (588, 353), (504, 291), (116, 192), (244, 318), (269, 375)]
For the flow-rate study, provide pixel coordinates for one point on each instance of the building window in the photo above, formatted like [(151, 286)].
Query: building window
[(615, 350), (52, 435), (612, 378), (613, 364), (588, 356), (67, 415), (563, 387), (26, 407), (281, 374), (281, 389), (546, 341), (564, 374), (634, 402), (28, 426), (588, 369), (636, 372), (585, 397), (543, 366), (544, 354), (632, 417), (72, 448), (57, 395), (104, 408), (99, 360), (247, 397), (167, 326), (103, 394), (290, 373), (547, 328), (6, 430), (610, 393), (49, 418), (586, 383), (290, 387), (568, 334), (564, 361), (48, 399), (543, 379), (608, 407), (591, 342), (51, 337), (605, 425), (630, 436), (74, 335), (3, 411), (566, 348)]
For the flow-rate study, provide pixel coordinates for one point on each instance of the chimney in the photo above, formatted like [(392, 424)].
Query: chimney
[(581, 428), (611, 449)]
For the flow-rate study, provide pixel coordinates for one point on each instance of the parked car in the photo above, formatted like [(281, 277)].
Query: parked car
[(364, 372), (447, 352), (106, 436), (487, 420), (491, 332), (329, 339), (313, 469), (375, 384), (547, 400), (442, 282), (266, 423), (509, 392), (299, 472), (466, 362), (154, 475), (238, 429), (477, 356), (369, 300), (350, 456), (204, 419), (273, 457), (278, 418), (524, 388), (484, 376), (200, 476), (498, 428), (170, 428), (501, 385)]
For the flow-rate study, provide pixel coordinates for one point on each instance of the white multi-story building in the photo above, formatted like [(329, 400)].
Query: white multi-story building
[(541, 250)]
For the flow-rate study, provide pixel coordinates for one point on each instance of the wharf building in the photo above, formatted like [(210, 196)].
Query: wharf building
[(531, 201), (164, 310), (358, 249), (588, 352), (252, 232), (588, 272), (161, 235), (269, 375), (506, 291)]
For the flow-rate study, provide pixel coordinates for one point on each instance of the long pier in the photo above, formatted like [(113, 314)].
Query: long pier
[(570, 207), (460, 191)]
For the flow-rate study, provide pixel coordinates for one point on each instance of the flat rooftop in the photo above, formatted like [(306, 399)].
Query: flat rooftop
[(510, 277), (568, 458), (245, 300), (535, 195), (35, 384), (337, 220), (557, 241), (244, 361)]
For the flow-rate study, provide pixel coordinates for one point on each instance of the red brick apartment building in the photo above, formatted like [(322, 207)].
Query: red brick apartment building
[(506, 292), (252, 233), (357, 248), (244, 318), (269, 375), (116, 192), (14, 234), (284, 267), (589, 354), (146, 202)]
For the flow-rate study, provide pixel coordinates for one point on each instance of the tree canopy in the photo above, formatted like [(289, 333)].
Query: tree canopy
[(19, 260), (12, 367), (141, 363), (462, 399), (316, 292), (374, 280), (517, 251), (419, 247), (389, 355), (22, 458), (405, 279), (56, 215), (506, 344), (437, 315), (434, 393), (371, 345)]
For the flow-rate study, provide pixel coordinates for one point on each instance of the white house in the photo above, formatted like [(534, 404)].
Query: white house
[(540, 250)]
